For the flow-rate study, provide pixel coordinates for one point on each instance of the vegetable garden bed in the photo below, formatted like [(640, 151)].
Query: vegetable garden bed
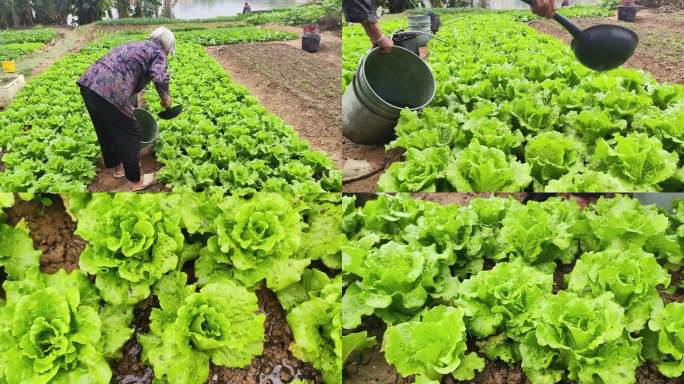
[(515, 111), (470, 292), (17, 43), (224, 139), (182, 287)]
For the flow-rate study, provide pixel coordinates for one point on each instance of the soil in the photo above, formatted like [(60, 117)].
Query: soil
[(52, 230), (106, 182), (661, 47)]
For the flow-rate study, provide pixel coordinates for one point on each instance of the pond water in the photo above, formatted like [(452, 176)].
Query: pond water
[(204, 9), (517, 4)]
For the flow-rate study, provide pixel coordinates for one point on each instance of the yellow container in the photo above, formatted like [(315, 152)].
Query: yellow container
[(9, 66)]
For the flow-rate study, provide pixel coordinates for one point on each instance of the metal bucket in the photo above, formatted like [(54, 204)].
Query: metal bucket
[(148, 126), (420, 23), (383, 84)]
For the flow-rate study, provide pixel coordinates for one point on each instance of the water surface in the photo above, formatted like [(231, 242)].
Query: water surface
[(204, 9)]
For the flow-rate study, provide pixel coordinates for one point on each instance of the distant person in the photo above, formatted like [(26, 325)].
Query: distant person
[(565, 3), (246, 8), (107, 88)]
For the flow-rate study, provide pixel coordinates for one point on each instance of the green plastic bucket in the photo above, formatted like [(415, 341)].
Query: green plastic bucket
[(149, 130), (384, 84)]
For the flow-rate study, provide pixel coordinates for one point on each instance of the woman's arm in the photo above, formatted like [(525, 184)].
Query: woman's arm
[(160, 78)]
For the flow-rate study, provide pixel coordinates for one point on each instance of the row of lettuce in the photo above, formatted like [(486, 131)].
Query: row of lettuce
[(420, 268), (63, 328), (223, 140), (515, 111), (17, 43)]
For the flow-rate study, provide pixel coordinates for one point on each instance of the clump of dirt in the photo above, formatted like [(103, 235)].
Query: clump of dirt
[(52, 231), (648, 373), (660, 50), (276, 365)]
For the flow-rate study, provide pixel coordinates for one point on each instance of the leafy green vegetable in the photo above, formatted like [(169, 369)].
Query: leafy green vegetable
[(481, 169), (431, 346), (631, 275), (502, 301), (585, 336), (551, 155), (424, 170), (354, 342), (541, 233), (219, 323), (317, 329), (17, 253), (133, 239), (664, 342), (51, 331)]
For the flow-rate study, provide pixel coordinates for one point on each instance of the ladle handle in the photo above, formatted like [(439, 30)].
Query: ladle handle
[(574, 30)]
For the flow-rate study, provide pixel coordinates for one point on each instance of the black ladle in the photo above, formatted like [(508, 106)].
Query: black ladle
[(599, 47)]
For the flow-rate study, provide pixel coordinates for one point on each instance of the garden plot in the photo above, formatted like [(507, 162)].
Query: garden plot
[(212, 145), (502, 291), (514, 111), (168, 278)]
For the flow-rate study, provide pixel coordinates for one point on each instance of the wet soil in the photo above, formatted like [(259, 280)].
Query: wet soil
[(661, 47), (106, 182), (52, 230)]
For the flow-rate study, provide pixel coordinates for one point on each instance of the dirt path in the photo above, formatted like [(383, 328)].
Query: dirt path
[(661, 46), (303, 89), (68, 40)]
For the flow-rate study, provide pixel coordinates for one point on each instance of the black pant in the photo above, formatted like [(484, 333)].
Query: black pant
[(118, 134)]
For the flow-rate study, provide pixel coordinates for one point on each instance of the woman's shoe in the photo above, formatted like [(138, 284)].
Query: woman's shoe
[(145, 181), (119, 172)]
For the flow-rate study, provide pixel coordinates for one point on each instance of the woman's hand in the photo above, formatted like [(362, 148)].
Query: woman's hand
[(385, 43), (543, 8), (166, 102)]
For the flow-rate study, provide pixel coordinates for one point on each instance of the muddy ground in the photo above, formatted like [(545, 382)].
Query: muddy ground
[(106, 182), (661, 46), (370, 367), (52, 231)]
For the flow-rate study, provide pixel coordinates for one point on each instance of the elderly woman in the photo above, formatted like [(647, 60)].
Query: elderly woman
[(107, 88)]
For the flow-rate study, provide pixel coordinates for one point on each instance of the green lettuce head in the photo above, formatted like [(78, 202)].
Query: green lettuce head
[(133, 239), (585, 336), (664, 340), (394, 280), (51, 332), (259, 239), (631, 275), (432, 345), (317, 330), (221, 323)]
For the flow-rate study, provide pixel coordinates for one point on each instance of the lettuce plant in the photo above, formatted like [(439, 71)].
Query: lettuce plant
[(423, 171), (392, 281), (432, 345), (255, 239), (51, 330), (17, 253), (317, 330), (541, 233), (501, 301), (133, 239), (551, 155), (585, 337), (482, 169), (631, 275), (220, 323), (664, 340), (636, 158)]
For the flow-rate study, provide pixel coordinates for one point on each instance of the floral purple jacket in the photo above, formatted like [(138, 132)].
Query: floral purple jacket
[(125, 71)]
